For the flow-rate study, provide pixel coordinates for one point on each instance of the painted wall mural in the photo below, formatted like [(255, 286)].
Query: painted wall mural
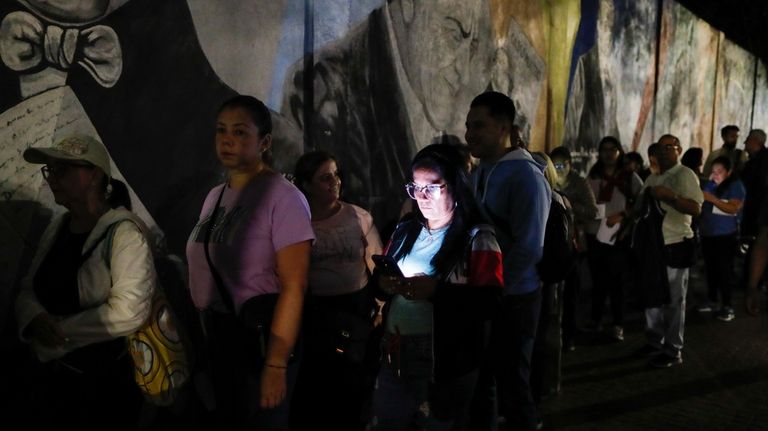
[(372, 81)]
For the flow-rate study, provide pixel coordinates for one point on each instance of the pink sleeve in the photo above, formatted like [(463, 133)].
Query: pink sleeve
[(291, 219)]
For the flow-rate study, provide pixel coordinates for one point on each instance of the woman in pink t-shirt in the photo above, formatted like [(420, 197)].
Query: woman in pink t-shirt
[(335, 381), (248, 257)]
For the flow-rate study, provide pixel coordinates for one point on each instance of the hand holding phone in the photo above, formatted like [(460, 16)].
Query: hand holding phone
[(387, 266)]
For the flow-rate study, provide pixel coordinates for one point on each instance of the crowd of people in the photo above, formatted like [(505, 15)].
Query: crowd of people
[(310, 321)]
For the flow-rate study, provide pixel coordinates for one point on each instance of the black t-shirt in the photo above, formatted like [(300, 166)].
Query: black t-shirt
[(55, 283), (57, 289)]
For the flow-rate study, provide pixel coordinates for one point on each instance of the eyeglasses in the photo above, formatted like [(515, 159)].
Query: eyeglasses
[(59, 169), (609, 149), (430, 191), (670, 147), (559, 166)]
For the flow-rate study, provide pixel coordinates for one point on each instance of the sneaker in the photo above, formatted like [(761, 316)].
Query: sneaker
[(726, 314), (647, 351), (618, 333), (704, 308), (664, 360)]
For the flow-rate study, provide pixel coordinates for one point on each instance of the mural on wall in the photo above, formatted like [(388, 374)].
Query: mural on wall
[(400, 80), (735, 89), (686, 77), (701, 81), (611, 91), (372, 81), (759, 118)]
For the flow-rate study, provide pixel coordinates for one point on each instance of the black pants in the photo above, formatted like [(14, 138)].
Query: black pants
[(333, 392), (607, 266), (570, 302), (719, 259), (548, 347), (104, 397), (514, 339), (236, 362)]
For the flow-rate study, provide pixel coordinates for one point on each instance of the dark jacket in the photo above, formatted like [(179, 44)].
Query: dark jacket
[(463, 307), (648, 250)]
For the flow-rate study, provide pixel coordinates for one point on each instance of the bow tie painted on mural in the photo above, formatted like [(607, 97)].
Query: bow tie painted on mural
[(26, 44)]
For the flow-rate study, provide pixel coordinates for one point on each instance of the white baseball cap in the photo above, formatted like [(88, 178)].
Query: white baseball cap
[(73, 148)]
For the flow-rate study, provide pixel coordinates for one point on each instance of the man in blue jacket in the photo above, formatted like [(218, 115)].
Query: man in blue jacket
[(511, 188)]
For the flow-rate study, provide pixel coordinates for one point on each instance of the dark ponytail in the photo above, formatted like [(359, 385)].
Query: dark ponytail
[(116, 193)]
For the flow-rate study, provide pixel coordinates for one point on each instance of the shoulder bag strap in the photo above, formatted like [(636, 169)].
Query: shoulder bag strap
[(108, 233), (225, 295)]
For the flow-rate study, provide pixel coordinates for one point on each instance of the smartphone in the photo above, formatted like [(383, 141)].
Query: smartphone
[(387, 265)]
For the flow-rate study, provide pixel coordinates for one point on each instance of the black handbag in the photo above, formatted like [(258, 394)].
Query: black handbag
[(339, 327)]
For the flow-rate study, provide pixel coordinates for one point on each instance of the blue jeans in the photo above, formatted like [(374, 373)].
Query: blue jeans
[(404, 404)]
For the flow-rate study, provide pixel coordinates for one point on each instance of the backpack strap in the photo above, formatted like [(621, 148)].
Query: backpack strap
[(106, 236)]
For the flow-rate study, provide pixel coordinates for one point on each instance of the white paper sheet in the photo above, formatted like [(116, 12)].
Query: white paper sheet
[(606, 234)]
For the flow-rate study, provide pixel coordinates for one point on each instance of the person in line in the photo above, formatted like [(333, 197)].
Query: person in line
[(582, 200), (634, 162), (758, 264), (719, 228), (693, 160), (616, 190), (678, 190), (248, 261), (80, 297), (653, 162), (754, 176), (730, 136), (547, 349), (335, 380), (439, 308), (511, 189)]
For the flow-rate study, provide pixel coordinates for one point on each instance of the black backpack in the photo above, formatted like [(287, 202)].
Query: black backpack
[(559, 256)]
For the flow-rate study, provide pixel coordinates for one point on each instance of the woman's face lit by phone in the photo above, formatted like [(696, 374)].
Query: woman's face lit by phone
[(719, 173), (437, 210)]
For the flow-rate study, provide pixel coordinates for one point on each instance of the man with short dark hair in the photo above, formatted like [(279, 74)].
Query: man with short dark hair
[(511, 188), (676, 187), (653, 162), (730, 135), (755, 179)]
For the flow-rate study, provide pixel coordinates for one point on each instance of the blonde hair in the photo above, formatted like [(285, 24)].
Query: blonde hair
[(550, 173)]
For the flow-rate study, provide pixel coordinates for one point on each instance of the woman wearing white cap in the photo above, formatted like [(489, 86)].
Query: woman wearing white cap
[(91, 283)]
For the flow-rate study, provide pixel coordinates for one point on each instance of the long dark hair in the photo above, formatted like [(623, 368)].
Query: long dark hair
[(598, 169), (448, 162), (693, 158), (308, 164), (116, 193), (722, 187)]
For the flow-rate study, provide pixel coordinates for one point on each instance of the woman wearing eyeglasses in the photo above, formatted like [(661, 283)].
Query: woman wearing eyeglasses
[(91, 283), (615, 189), (439, 309)]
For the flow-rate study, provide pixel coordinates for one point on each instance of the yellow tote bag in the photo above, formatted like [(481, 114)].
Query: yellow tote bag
[(159, 358)]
